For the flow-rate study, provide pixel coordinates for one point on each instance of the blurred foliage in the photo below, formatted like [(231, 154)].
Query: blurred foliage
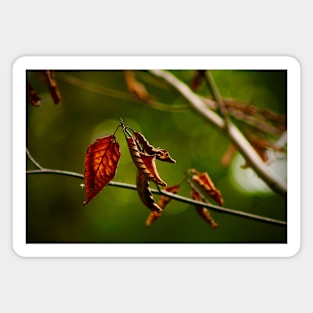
[(58, 136)]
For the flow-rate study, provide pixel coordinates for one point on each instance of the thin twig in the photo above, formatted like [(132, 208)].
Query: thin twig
[(33, 160), (165, 193), (271, 179), (259, 119), (53, 171), (209, 80), (280, 143), (120, 94)]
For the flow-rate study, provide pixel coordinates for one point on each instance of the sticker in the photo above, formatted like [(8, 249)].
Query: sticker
[(209, 148)]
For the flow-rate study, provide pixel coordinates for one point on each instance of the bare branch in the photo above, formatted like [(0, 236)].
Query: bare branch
[(33, 160), (216, 94), (279, 144), (242, 144), (165, 193), (120, 94)]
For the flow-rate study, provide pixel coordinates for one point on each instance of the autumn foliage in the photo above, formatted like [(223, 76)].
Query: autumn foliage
[(205, 183), (101, 163), (162, 203), (264, 129)]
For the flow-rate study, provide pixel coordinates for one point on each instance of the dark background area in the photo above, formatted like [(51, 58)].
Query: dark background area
[(58, 137)]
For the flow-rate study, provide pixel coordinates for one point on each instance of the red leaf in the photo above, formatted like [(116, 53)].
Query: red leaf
[(162, 203), (164, 200), (144, 162), (153, 216), (203, 211), (135, 87), (206, 184), (144, 192), (161, 154), (206, 215), (149, 162), (100, 165)]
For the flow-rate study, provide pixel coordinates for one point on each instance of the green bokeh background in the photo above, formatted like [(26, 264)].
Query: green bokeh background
[(58, 137)]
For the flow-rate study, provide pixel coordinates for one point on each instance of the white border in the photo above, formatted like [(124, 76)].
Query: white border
[(155, 250)]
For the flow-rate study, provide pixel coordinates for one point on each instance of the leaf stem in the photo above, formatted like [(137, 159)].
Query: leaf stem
[(116, 129)]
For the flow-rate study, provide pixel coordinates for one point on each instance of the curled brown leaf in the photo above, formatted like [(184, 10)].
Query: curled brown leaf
[(162, 203), (202, 211), (150, 170), (153, 216), (145, 194), (205, 183), (161, 154), (228, 155), (164, 200), (135, 87), (144, 162)]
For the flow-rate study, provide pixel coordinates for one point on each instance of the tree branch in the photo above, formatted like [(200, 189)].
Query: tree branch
[(209, 80), (42, 170), (120, 94), (242, 144), (33, 160)]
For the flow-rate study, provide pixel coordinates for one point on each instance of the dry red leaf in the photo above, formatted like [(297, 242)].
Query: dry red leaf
[(152, 173), (164, 200), (100, 165), (135, 87), (153, 216), (206, 215), (161, 154), (205, 183), (144, 162), (228, 155), (145, 194), (202, 211), (162, 203)]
